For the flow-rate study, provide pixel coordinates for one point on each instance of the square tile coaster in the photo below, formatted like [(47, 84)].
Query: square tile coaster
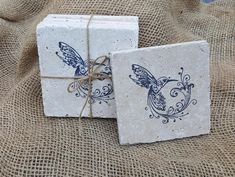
[(62, 47), (162, 92)]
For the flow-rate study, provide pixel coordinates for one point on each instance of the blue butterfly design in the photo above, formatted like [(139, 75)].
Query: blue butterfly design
[(156, 101), (72, 58)]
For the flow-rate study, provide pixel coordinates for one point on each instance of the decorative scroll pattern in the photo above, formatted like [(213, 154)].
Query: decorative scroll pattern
[(156, 101)]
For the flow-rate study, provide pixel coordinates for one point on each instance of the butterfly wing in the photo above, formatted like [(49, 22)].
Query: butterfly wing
[(70, 56), (143, 77)]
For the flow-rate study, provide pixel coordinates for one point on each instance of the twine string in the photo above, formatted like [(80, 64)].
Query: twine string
[(90, 69)]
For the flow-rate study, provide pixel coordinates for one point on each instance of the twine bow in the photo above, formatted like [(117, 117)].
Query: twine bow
[(92, 74)]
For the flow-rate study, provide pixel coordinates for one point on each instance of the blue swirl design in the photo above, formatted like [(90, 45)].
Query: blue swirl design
[(156, 101), (72, 58)]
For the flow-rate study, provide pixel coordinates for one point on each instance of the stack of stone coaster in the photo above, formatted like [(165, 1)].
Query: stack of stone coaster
[(62, 47), (161, 92)]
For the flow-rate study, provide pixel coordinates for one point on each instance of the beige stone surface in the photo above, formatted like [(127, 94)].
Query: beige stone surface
[(162, 92)]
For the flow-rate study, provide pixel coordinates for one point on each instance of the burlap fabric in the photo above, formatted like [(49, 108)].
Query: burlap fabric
[(34, 145)]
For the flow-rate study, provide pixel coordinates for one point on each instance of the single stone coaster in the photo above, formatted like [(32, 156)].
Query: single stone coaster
[(62, 46), (163, 92)]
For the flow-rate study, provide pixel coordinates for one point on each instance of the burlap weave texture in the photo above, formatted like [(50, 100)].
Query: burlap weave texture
[(34, 145)]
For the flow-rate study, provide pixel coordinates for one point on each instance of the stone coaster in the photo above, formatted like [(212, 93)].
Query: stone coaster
[(62, 48), (163, 92)]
